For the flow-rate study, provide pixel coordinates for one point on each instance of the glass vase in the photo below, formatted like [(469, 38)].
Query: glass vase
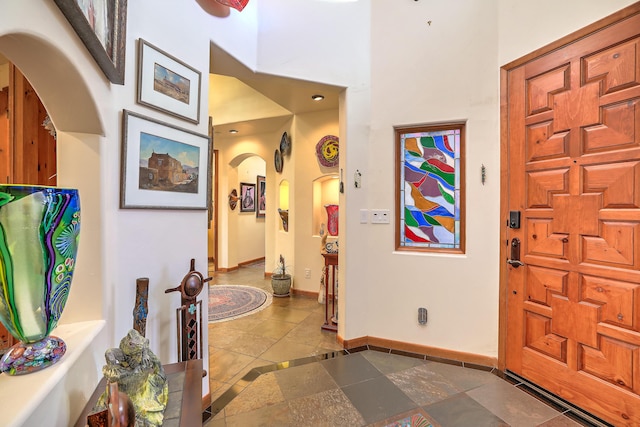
[(332, 219), (39, 232)]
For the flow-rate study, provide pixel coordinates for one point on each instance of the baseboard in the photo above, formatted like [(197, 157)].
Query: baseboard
[(226, 269), (253, 261), (300, 292), (418, 349)]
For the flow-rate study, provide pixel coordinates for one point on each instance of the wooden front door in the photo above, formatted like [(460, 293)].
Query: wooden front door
[(572, 137)]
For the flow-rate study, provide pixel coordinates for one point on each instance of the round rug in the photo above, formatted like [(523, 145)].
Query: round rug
[(228, 302)]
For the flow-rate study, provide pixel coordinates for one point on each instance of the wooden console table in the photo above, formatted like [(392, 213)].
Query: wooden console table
[(330, 297), (184, 407)]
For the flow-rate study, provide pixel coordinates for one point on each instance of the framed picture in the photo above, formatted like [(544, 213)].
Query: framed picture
[(261, 188), (167, 84), (247, 197), (102, 27), (163, 166)]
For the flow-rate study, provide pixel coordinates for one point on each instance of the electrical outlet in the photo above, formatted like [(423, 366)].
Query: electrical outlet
[(307, 273), (380, 216)]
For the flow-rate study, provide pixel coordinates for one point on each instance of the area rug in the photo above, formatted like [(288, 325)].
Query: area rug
[(228, 302)]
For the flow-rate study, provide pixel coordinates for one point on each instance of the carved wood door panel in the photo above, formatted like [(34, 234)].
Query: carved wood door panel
[(573, 306)]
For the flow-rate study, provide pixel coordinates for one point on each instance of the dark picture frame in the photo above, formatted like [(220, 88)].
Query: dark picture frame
[(102, 27), (261, 193), (247, 197), (163, 166), (167, 84)]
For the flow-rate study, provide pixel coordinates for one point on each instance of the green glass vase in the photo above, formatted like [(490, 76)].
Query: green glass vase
[(39, 232)]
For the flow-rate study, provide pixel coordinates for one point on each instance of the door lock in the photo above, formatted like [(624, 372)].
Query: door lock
[(515, 253)]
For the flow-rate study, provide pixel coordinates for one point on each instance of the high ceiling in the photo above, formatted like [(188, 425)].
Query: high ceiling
[(252, 102)]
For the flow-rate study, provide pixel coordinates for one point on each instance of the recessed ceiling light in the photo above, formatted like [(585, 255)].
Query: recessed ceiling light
[(317, 97), (233, 131)]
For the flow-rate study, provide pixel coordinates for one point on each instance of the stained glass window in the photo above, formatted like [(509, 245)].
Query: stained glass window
[(430, 171)]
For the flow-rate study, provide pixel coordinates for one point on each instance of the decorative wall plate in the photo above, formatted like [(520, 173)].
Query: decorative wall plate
[(327, 151), (285, 144), (277, 161)]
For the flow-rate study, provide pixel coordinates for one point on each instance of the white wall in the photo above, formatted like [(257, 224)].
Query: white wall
[(117, 246)]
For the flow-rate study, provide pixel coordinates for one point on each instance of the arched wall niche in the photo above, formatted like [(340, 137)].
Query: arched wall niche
[(58, 83), (73, 110)]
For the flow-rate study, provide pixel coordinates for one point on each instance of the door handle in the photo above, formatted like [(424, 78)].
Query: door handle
[(515, 253)]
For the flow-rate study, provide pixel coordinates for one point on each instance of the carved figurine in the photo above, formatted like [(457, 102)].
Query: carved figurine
[(141, 309), (140, 375)]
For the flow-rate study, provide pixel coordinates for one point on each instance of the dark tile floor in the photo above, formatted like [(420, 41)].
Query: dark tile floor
[(278, 368)]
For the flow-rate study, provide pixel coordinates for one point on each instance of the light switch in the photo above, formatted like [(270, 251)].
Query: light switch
[(364, 216)]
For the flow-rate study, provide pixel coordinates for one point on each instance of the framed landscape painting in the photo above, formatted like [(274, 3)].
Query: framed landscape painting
[(102, 27), (167, 84), (163, 166)]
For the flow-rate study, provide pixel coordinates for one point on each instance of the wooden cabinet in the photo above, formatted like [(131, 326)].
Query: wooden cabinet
[(331, 289)]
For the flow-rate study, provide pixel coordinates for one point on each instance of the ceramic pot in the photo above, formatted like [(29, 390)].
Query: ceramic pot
[(281, 285), (39, 233)]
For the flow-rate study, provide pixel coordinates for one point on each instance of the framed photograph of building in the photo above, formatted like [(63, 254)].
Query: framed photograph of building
[(102, 27), (167, 84), (162, 166), (261, 189), (247, 197)]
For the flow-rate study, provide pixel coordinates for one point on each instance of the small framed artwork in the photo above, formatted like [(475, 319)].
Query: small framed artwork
[(430, 209), (247, 197), (102, 27), (261, 185), (162, 166), (167, 84)]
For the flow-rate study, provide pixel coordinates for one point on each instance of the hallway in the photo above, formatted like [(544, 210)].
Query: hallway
[(278, 368)]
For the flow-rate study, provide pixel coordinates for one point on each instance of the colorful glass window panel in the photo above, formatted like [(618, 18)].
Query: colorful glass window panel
[(429, 178)]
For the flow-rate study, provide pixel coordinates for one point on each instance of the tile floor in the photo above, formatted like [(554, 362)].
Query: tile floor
[(278, 368)]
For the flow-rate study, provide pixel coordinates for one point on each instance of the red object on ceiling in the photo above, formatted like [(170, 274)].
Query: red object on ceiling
[(236, 4)]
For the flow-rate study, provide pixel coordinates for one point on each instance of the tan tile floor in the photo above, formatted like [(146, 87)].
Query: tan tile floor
[(278, 368)]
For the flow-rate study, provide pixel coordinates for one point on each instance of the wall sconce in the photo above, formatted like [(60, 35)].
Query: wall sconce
[(233, 199)]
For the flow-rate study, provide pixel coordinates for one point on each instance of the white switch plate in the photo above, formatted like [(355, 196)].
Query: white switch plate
[(380, 216), (364, 216), (307, 273)]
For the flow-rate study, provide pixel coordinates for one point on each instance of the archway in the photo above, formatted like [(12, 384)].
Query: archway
[(73, 111)]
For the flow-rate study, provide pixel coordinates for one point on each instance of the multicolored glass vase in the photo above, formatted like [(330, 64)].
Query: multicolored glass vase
[(332, 219), (39, 232)]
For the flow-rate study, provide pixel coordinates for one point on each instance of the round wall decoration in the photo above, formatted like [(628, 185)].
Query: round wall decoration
[(285, 144), (327, 150), (277, 160)]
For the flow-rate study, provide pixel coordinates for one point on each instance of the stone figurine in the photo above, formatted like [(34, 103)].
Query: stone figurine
[(140, 375)]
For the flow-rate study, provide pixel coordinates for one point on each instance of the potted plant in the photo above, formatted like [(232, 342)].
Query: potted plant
[(281, 279)]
